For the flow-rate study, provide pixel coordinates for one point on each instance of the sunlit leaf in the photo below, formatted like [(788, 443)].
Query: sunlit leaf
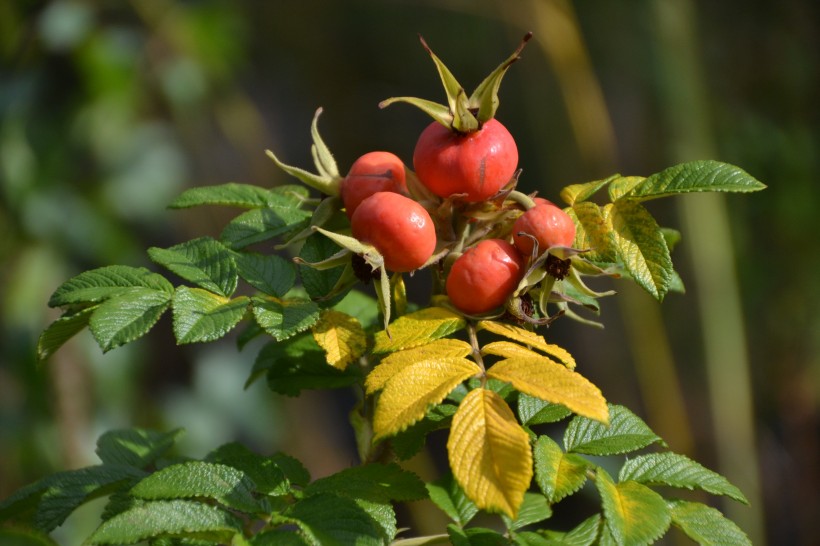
[(418, 328), (331, 520), (625, 432), (706, 525), (577, 193), (268, 273), (341, 336), (127, 316), (230, 194), (60, 331), (172, 517), (695, 176), (257, 225), (266, 473), (284, 318), (489, 453), (395, 362), (450, 498), (583, 534), (558, 474), (677, 470), (623, 185), (528, 338), (534, 411), (100, 284), (534, 509), (203, 261), (200, 315), (543, 378), (634, 514), (593, 232), (414, 388)]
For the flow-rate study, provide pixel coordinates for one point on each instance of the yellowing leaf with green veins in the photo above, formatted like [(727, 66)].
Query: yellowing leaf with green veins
[(529, 338), (634, 514), (392, 364), (409, 393), (550, 381), (490, 453), (418, 328), (341, 336)]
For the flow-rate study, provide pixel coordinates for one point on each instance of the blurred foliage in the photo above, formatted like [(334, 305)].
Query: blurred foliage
[(109, 109)]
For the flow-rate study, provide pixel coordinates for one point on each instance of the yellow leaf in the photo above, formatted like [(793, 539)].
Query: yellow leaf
[(490, 453), (529, 338), (391, 365), (418, 328), (414, 388), (341, 336), (548, 380), (508, 349)]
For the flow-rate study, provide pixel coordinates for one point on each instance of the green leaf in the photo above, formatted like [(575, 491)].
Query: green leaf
[(409, 442), (706, 525), (449, 496), (695, 176), (558, 474), (284, 318), (485, 96), (319, 283), (360, 306), (232, 194), (626, 432), (263, 471), (103, 283), (578, 193), (298, 365), (533, 510), (48, 502), (279, 537), (534, 411), (634, 514), (127, 316), (11, 536), (463, 120), (204, 261), (294, 470), (583, 534), (641, 246), (475, 536), (330, 520), (322, 157), (200, 315), (60, 331), (677, 470), (135, 447), (257, 225), (270, 274), (373, 482), (174, 517), (219, 482)]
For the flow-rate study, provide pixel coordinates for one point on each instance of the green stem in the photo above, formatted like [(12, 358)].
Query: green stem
[(476, 347)]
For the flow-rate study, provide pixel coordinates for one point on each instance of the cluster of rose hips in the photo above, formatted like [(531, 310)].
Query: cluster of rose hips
[(465, 215)]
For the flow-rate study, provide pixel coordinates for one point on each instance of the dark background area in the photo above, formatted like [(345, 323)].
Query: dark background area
[(110, 109)]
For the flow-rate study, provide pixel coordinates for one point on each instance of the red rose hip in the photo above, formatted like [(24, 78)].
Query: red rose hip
[(484, 276), (373, 172), (398, 227), (477, 164), (550, 225)]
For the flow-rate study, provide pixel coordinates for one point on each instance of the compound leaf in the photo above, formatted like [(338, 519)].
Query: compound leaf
[(171, 517), (634, 514), (219, 482), (626, 432), (489, 453), (706, 525), (414, 388), (341, 336), (534, 509), (200, 315), (127, 316), (203, 261), (548, 380), (534, 411), (264, 471), (373, 482), (418, 328), (234, 195), (583, 534), (257, 225), (677, 470), (105, 282), (558, 474), (331, 520)]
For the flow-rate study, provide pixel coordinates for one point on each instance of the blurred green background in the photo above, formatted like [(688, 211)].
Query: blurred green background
[(109, 109)]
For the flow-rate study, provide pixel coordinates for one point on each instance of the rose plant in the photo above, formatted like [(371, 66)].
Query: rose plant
[(472, 360)]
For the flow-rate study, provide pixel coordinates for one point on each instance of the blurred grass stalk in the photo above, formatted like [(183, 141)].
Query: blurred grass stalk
[(706, 225)]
